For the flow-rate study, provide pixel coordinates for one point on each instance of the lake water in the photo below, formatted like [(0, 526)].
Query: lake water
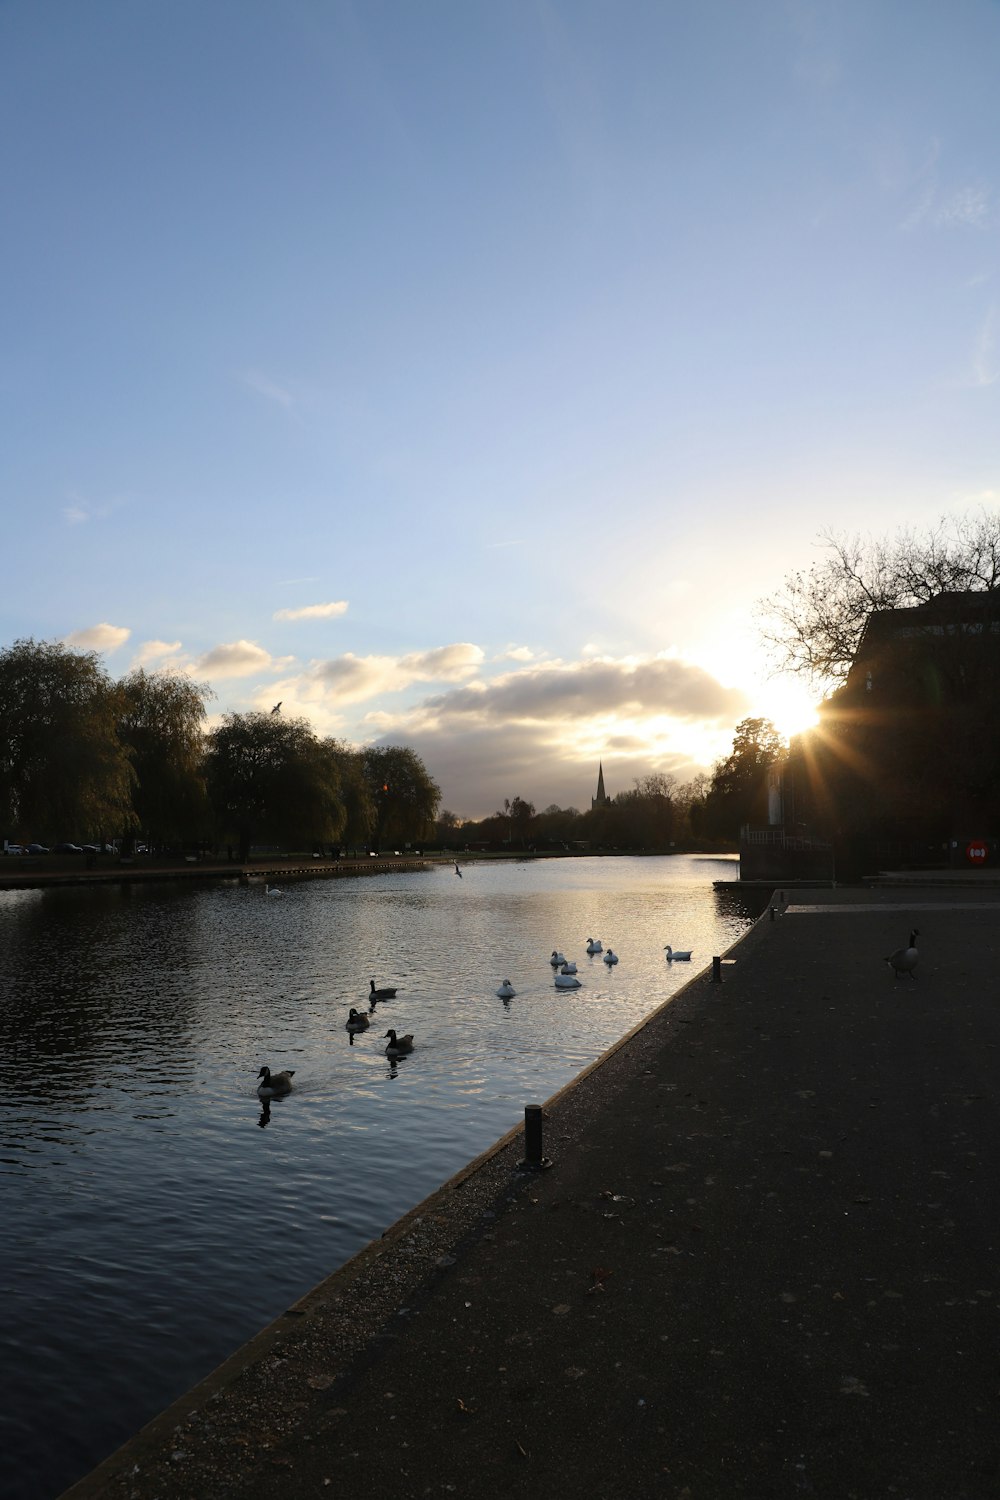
[(155, 1216)]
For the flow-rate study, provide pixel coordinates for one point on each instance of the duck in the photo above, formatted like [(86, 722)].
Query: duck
[(398, 1044), (272, 1084), (506, 990), (569, 968), (904, 960), (271, 890), (594, 945), (567, 982), (357, 1020), (680, 953), (558, 959), (383, 994), (610, 957)]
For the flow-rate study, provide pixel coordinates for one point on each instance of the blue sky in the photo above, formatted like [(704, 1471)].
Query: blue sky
[(461, 374)]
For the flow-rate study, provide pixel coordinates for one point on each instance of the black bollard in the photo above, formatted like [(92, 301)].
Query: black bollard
[(774, 912), (716, 970), (534, 1161)]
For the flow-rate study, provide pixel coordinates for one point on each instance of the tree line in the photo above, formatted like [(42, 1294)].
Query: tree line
[(656, 813), (89, 758)]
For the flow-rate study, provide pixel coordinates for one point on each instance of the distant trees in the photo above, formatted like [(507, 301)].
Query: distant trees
[(64, 770), (813, 625), (85, 758)]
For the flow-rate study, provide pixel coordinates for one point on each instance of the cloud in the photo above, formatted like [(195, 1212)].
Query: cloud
[(163, 652), (102, 637), (313, 611), (516, 653), (984, 362), (76, 515), (239, 659), (969, 206), (353, 679), (540, 732), (602, 686)]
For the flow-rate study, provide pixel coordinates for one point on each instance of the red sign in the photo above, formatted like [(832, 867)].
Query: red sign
[(976, 853)]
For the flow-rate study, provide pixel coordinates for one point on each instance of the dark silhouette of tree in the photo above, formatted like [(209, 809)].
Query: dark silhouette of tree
[(406, 800), (270, 777), (64, 771), (738, 793), (814, 625), (161, 719)]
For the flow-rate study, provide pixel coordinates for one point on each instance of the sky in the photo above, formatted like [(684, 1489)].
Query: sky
[(463, 374)]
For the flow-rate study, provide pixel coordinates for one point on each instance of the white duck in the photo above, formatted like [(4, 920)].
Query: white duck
[(683, 954), (558, 959), (904, 960), (357, 1020), (506, 990), (610, 957), (594, 945), (398, 1045), (567, 982), (272, 1084)]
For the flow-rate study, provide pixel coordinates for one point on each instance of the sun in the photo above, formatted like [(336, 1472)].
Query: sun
[(791, 706)]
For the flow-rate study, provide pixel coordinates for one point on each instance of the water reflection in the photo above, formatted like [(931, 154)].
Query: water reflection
[(139, 1018)]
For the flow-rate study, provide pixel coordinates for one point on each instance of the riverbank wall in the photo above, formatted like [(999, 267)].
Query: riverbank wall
[(762, 1262)]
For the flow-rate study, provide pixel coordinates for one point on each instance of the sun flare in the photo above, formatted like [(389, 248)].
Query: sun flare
[(791, 707)]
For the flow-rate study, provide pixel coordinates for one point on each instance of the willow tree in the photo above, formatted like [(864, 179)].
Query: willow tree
[(405, 797), (269, 777), (162, 718), (64, 771)]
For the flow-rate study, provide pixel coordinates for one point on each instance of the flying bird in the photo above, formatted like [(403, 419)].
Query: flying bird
[(277, 707)]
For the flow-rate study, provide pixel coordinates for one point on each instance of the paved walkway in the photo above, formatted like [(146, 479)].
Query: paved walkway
[(765, 1262)]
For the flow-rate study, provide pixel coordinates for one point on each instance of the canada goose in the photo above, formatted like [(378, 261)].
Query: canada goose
[(274, 1083), (594, 945), (383, 994), (904, 960), (558, 959), (567, 982), (681, 953), (357, 1020), (569, 968), (398, 1044), (506, 990), (610, 957)]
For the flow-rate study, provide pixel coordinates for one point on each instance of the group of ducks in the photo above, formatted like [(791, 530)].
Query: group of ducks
[(272, 1085), (565, 977)]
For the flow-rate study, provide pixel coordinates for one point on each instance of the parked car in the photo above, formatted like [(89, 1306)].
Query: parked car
[(14, 849), (67, 849), (38, 849)]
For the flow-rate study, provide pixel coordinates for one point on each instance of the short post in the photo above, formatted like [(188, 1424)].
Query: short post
[(774, 912), (716, 970), (534, 1161)]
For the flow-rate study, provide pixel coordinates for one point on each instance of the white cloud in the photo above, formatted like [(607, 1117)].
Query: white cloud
[(969, 206), (354, 679), (516, 653), (313, 611), (76, 515), (103, 637), (985, 357), (162, 652), (239, 659)]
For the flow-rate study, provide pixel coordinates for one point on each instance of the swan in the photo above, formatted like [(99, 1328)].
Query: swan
[(567, 982), (506, 990), (357, 1020), (558, 959), (681, 953), (610, 957), (271, 890), (569, 968), (594, 945), (383, 994), (904, 960), (274, 1083), (398, 1044)]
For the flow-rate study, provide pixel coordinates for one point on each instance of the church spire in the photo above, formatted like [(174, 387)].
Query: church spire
[(602, 799)]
